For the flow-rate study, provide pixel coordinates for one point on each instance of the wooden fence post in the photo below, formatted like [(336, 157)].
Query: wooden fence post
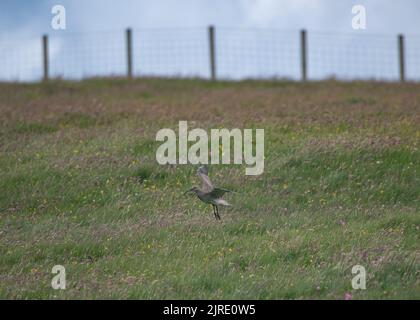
[(212, 53), (401, 54), (45, 57), (129, 42), (303, 55)]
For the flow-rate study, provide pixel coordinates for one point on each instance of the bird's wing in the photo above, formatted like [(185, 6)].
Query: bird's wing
[(203, 174), (218, 192)]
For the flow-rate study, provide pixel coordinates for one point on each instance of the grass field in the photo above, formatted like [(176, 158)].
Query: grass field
[(80, 187)]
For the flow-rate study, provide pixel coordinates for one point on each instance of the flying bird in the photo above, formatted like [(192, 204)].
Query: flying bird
[(208, 193)]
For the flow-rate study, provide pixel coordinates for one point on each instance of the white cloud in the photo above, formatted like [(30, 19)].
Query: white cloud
[(268, 13)]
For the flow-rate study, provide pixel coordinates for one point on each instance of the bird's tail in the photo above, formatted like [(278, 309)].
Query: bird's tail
[(222, 202)]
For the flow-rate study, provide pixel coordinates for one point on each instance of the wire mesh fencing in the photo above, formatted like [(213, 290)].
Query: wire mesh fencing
[(353, 57), (21, 59), (215, 53), (87, 55)]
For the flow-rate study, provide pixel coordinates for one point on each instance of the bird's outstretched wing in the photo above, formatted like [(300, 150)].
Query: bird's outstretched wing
[(203, 174), (218, 192)]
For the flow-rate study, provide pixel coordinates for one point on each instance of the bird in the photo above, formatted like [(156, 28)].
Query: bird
[(208, 193)]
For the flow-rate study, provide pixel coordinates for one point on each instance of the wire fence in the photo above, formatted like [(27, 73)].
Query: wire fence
[(215, 53)]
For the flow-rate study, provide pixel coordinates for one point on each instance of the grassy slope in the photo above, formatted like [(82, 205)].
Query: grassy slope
[(80, 187)]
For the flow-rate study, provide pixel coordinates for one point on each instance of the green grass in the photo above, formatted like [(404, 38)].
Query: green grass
[(80, 187)]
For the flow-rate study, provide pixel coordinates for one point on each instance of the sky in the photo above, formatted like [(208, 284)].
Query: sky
[(254, 38)]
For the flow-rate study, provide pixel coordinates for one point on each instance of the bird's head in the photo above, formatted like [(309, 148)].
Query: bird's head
[(192, 190), (204, 169)]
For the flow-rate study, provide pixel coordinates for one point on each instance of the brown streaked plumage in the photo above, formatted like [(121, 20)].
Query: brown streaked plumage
[(208, 193)]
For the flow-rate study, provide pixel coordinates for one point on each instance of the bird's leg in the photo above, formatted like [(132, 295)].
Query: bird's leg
[(214, 211), (217, 212)]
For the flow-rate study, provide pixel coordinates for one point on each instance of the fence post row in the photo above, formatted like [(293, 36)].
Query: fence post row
[(129, 40), (212, 53), (45, 56), (303, 55), (401, 55)]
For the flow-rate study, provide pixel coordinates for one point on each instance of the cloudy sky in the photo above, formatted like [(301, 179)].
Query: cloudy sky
[(178, 44)]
